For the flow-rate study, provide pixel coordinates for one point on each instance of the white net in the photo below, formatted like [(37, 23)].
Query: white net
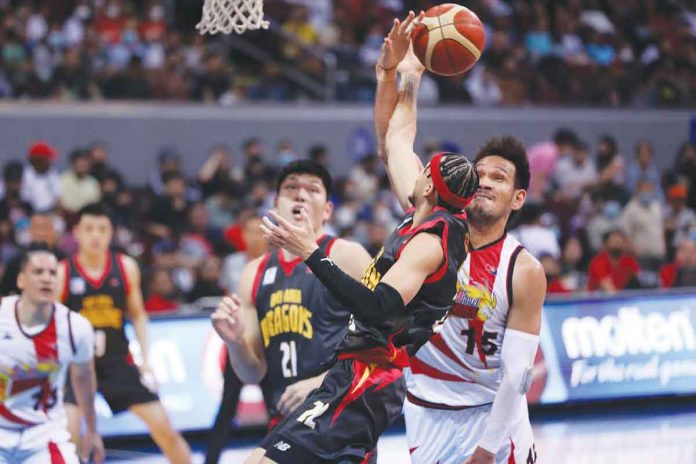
[(229, 16)]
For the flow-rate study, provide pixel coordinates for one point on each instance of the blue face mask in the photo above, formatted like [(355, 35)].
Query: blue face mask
[(645, 198), (612, 209)]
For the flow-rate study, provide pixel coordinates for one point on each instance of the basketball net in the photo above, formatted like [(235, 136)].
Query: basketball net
[(229, 16)]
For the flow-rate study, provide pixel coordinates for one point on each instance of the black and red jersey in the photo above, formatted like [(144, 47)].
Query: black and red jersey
[(301, 323), (406, 333), (103, 302)]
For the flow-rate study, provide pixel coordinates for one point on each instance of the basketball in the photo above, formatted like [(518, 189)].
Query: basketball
[(449, 40)]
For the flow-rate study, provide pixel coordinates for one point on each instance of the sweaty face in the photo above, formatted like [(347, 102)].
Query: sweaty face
[(39, 278), (303, 191), (496, 196), (93, 234)]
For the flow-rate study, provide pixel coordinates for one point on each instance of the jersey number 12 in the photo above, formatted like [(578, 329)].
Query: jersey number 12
[(289, 361)]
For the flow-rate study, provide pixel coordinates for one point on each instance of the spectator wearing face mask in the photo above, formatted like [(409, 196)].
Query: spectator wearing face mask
[(642, 221), (613, 269), (607, 217)]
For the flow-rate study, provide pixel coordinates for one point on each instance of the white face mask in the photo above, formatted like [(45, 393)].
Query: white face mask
[(113, 11), (156, 13), (82, 12)]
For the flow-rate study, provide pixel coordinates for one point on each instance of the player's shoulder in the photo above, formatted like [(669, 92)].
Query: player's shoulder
[(528, 271), (80, 325), (8, 302)]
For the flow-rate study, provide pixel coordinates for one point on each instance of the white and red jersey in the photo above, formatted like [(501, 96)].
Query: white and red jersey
[(33, 367), (459, 366)]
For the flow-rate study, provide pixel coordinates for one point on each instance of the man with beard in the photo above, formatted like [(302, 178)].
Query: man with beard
[(467, 384)]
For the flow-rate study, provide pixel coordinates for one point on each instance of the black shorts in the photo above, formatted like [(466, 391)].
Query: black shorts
[(120, 385), (342, 420)]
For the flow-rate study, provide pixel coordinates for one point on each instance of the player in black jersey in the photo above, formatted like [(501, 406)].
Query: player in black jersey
[(284, 325), (104, 287), (404, 293)]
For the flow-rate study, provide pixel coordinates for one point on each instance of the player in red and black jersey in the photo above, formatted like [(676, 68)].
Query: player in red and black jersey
[(104, 287), (284, 325), (405, 292)]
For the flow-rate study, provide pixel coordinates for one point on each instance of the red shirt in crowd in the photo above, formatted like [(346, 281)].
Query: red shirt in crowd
[(621, 272), (158, 303), (556, 287)]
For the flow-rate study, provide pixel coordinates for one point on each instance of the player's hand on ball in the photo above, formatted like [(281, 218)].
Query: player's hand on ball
[(92, 444), (297, 239), (227, 319), (398, 41), (295, 394), (481, 456)]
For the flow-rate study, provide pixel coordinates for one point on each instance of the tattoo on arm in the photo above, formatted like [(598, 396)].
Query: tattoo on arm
[(408, 89)]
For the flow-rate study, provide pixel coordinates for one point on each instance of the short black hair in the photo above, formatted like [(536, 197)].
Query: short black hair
[(77, 154), (305, 166), (565, 136), (511, 149), (615, 231), (34, 247), (94, 209), (171, 175), (12, 171), (610, 142)]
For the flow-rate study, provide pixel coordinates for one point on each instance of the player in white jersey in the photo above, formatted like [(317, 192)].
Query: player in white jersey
[(39, 340), (466, 386)]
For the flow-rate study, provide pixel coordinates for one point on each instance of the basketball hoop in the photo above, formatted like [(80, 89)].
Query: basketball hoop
[(229, 16)]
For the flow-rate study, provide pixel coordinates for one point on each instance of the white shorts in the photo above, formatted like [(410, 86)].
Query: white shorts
[(47, 443), (449, 437)]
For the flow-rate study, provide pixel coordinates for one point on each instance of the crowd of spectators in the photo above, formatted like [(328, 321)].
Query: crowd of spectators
[(598, 220), (638, 53)]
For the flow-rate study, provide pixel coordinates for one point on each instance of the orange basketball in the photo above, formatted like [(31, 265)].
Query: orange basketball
[(449, 40)]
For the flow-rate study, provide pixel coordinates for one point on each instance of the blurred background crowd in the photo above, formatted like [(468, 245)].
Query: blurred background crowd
[(637, 53), (598, 219)]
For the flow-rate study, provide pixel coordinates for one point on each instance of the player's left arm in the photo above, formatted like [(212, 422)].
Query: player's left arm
[(136, 308), (420, 258), (519, 348), (84, 383), (353, 259)]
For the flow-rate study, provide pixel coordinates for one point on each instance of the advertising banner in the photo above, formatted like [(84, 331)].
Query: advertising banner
[(628, 346)]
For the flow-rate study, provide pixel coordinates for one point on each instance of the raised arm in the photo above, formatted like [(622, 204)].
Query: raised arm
[(236, 321), (395, 106)]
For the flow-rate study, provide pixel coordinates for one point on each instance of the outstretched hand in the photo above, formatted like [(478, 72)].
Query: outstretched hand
[(297, 239), (398, 41)]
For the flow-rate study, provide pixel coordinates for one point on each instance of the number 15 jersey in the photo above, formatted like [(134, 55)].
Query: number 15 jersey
[(459, 366)]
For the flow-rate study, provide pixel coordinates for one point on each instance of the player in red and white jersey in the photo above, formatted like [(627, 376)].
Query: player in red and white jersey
[(466, 386), (39, 340)]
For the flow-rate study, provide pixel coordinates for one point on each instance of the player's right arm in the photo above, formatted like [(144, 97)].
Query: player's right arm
[(237, 323), (395, 108), (84, 383)]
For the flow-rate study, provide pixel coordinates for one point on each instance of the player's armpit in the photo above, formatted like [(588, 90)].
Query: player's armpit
[(528, 293), (351, 257)]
